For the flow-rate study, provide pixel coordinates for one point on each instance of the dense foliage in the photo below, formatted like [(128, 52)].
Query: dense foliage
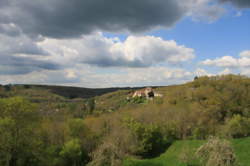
[(43, 128)]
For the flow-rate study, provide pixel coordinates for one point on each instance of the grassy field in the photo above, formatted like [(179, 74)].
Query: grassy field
[(170, 157)]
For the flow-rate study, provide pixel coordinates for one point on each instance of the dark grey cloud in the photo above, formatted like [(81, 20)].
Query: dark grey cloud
[(20, 55), (31, 48), (3, 3), (64, 18), (239, 3), (10, 29), (116, 62), (19, 44), (11, 65)]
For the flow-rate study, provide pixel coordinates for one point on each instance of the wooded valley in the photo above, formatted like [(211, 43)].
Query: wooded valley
[(60, 126)]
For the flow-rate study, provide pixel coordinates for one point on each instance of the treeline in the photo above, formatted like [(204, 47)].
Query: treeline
[(208, 106)]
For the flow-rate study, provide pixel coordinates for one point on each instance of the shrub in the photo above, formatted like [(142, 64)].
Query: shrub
[(76, 128), (91, 105), (138, 100), (72, 153), (238, 126), (27, 86), (149, 138), (216, 152), (107, 154), (7, 87)]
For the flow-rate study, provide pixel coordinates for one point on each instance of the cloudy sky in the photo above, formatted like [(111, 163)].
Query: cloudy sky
[(107, 43)]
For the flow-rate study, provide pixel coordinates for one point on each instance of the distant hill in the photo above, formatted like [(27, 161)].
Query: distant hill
[(71, 92), (78, 92)]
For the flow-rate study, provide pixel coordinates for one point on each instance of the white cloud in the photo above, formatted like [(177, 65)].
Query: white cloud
[(245, 71), (225, 61), (245, 53), (231, 64), (93, 77), (135, 51), (97, 61), (143, 77), (225, 71), (201, 72), (149, 50), (244, 62), (70, 73)]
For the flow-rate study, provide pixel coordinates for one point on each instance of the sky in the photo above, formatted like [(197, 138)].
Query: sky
[(121, 43)]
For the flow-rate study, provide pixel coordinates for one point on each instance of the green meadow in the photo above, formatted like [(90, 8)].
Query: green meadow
[(171, 156)]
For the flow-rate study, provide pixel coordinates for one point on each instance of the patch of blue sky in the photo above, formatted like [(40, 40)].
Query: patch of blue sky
[(121, 36), (227, 36)]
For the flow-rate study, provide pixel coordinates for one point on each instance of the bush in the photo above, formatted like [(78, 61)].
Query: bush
[(216, 152), (72, 153), (91, 105), (149, 138), (7, 87), (76, 128), (27, 86), (238, 127), (138, 100), (107, 154)]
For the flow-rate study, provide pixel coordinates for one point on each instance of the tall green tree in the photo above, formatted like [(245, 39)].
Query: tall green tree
[(18, 140), (72, 154)]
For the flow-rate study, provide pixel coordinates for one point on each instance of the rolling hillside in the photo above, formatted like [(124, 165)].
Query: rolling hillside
[(92, 122)]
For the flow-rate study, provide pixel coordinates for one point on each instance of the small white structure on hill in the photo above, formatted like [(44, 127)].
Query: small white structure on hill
[(147, 92)]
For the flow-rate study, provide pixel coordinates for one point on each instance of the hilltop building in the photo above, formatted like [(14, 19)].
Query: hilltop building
[(148, 92)]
